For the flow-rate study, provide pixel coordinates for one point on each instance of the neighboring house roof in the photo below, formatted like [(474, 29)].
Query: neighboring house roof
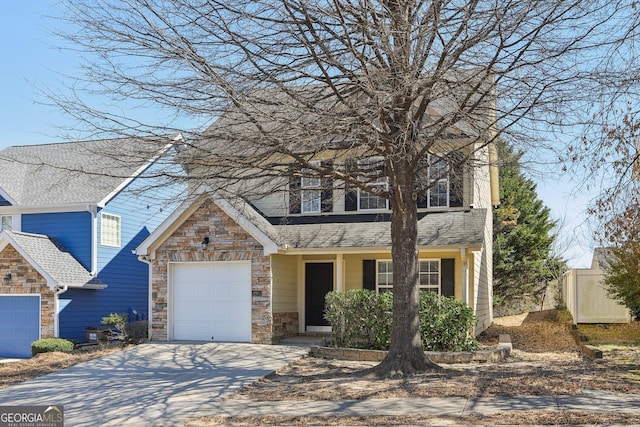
[(51, 260), (600, 258), (74, 172), (441, 229)]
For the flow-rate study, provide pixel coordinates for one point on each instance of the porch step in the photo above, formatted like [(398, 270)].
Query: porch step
[(306, 340)]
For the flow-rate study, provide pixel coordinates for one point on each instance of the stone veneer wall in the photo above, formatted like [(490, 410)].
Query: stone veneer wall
[(26, 280), (228, 242), (285, 325)]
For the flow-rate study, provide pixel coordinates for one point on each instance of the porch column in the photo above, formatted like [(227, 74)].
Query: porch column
[(339, 273), (465, 275)]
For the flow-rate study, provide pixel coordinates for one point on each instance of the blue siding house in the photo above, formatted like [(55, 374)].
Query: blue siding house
[(71, 215)]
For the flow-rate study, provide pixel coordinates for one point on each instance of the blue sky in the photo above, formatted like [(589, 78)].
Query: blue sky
[(30, 62)]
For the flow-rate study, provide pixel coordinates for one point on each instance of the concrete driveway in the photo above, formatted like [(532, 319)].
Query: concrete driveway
[(151, 384)]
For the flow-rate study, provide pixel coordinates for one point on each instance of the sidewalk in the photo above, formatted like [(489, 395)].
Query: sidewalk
[(626, 404)]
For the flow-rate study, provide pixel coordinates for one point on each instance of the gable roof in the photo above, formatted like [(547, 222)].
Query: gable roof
[(51, 260), (74, 172)]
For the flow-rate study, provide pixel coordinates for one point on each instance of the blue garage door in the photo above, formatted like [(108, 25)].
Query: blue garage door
[(19, 324)]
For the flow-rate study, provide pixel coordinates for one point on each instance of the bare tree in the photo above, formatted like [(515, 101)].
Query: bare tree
[(289, 83)]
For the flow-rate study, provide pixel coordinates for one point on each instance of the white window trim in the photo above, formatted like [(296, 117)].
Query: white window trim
[(103, 239), (313, 185), (445, 179), (12, 225), (384, 287), (381, 181)]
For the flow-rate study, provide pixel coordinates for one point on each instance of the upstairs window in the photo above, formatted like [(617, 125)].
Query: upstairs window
[(439, 176), (311, 193), (372, 166), (439, 181), (6, 222), (110, 230)]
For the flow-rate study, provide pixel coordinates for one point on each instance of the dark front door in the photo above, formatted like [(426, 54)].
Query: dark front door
[(318, 278)]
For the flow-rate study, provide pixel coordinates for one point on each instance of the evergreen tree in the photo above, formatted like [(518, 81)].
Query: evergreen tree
[(523, 263), (622, 275)]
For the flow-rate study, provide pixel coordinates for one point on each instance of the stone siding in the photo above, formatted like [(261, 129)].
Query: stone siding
[(285, 325), (26, 280), (228, 242)]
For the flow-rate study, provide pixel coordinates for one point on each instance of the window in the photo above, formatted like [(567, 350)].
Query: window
[(439, 191), (311, 196), (366, 200), (429, 275), (6, 222), (110, 230), (385, 275)]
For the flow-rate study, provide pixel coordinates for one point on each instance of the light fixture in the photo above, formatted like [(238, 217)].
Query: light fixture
[(6, 280), (205, 243)]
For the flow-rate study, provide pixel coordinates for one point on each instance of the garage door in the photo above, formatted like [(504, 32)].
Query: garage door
[(212, 301), (19, 324)]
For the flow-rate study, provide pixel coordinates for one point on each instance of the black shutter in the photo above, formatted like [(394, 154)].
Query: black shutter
[(447, 277), (369, 274), (456, 179), (295, 206), (326, 195), (350, 194)]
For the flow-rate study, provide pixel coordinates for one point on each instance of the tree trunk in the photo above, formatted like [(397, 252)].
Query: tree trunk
[(406, 355)]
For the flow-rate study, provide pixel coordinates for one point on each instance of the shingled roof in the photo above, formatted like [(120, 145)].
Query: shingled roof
[(438, 229), (51, 259), (73, 172)]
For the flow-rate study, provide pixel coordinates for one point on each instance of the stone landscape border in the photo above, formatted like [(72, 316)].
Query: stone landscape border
[(498, 354), (592, 352)]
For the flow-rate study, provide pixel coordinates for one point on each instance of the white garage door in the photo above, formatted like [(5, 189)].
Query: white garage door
[(212, 301)]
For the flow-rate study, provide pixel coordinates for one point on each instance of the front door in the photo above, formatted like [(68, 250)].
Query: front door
[(318, 278)]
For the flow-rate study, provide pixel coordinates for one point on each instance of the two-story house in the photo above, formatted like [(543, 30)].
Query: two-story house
[(71, 214), (257, 270)]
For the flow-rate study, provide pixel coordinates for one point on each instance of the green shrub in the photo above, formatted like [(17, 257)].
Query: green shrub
[(49, 345), (446, 324), (362, 319)]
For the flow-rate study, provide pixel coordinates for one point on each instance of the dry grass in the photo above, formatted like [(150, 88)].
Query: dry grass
[(512, 418), (45, 363), (624, 334), (545, 361)]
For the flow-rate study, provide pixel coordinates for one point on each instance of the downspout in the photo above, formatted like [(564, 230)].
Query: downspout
[(58, 290), (93, 210)]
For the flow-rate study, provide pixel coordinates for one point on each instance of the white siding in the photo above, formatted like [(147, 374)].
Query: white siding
[(483, 259)]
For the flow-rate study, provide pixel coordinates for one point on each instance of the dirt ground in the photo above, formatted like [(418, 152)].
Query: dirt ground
[(545, 361)]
